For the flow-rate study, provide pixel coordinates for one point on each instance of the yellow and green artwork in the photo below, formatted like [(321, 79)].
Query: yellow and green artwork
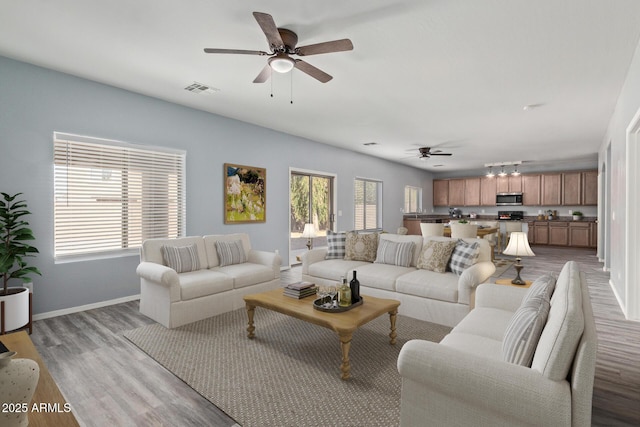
[(244, 194)]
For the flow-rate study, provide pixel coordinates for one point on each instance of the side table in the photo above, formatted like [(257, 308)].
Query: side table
[(527, 283)]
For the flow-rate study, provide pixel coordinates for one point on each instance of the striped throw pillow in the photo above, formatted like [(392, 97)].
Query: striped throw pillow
[(181, 258), (336, 242), (464, 256), (230, 252), (543, 285), (394, 253), (524, 329)]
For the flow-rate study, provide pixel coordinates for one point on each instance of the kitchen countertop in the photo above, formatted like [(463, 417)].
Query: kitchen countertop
[(421, 217)]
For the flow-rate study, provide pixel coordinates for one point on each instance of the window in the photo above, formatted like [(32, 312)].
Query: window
[(412, 199), (368, 204), (110, 196)]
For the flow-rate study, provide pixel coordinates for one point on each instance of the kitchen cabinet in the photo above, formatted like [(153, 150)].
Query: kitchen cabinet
[(531, 234), (412, 225), (572, 188), (541, 230), (488, 191), (551, 189), (590, 188), (509, 184), (579, 234), (559, 233), (471, 192), (440, 192), (456, 192), (593, 234), (531, 190)]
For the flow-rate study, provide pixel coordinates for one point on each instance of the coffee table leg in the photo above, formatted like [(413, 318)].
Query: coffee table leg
[(250, 311), (392, 318), (345, 345)]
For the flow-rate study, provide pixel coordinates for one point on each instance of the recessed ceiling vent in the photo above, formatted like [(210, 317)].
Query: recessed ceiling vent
[(200, 87)]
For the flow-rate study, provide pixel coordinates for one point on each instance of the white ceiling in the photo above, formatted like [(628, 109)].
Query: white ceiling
[(448, 74)]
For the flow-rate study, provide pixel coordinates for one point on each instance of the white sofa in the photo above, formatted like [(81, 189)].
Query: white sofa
[(464, 380), (173, 299), (426, 295)]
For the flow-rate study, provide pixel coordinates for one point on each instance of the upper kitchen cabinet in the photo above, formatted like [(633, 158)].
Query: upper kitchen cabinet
[(488, 187), (531, 190), (590, 188), (472, 192), (551, 189), (456, 192), (440, 192), (509, 184), (580, 188)]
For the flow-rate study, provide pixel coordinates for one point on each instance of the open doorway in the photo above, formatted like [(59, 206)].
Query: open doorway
[(311, 201)]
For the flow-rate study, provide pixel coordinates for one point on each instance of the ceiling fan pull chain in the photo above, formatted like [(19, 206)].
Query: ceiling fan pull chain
[(271, 80), (291, 89)]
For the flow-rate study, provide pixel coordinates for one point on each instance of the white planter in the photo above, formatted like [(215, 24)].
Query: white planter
[(16, 309), (577, 217)]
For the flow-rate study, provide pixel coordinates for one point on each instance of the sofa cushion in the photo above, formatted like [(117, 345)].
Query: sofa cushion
[(333, 269), (489, 322), (524, 329), (561, 334), (435, 255), (395, 253), (543, 285), (475, 344), (181, 258), (361, 247), (428, 284), (464, 255), (230, 253), (201, 283), (381, 276), (247, 273), (336, 243)]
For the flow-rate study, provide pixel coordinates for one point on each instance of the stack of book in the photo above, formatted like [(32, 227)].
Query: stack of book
[(300, 290)]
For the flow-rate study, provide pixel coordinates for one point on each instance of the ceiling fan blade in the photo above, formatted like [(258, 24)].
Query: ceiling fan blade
[(325, 47), (238, 51), (264, 75), (269, 29), (440, 154), (314, 72)]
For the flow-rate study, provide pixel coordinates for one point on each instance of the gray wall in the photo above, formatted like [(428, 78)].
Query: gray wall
[(35, 102)]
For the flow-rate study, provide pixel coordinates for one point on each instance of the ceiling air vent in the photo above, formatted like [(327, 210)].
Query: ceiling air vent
[(200, 87)]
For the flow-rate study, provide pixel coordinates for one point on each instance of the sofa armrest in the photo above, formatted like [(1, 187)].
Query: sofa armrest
[(312, 256), (158, 273), (500, 296), (507, 390), (270, 259), (472, 277)]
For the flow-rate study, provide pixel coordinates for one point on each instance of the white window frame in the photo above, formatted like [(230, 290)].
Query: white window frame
[(414, 202), (110, 196), (378, 209)]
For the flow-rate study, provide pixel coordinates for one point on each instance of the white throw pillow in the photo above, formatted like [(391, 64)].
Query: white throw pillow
[(523, 332), (230, 252), (181, 258)]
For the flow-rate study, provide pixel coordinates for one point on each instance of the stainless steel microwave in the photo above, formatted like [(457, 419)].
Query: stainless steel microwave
[(509, 199)]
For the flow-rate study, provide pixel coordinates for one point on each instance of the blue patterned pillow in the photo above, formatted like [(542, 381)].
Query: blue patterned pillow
[(464, 256), (336, 242)]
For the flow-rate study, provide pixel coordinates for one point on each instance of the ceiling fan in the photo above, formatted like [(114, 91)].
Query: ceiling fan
[(425, 153), (282, 44)]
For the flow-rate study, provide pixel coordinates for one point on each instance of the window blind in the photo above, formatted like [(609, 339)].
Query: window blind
[(368, 204), (110, 196), (412, 199)]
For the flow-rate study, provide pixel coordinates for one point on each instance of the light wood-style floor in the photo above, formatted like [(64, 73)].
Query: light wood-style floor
[(110, 382)]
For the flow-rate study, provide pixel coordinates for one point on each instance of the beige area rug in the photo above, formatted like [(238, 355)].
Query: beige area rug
[(289, 374)]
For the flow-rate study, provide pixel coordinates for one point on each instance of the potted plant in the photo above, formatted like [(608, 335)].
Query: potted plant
[(14, 235), (577, 215)]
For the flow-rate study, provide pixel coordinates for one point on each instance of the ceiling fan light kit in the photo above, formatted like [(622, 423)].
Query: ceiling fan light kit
[(282, 43)]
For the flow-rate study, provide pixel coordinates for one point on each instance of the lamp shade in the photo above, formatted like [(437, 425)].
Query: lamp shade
[(518, 245), (309, 231)]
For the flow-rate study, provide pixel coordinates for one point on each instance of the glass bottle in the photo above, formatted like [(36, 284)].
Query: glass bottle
[(344, 294), (355, 289)]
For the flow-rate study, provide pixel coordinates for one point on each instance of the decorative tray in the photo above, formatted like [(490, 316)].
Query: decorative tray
[(318, 304)]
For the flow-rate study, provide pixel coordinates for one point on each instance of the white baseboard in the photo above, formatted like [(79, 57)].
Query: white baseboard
[(86, 307)]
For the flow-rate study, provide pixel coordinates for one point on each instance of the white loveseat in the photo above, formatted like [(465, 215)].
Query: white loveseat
[(423, 294), (174, 299), (464, 380)]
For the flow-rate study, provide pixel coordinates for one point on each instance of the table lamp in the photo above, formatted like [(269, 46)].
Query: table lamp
[(309, 232), (518, 246)]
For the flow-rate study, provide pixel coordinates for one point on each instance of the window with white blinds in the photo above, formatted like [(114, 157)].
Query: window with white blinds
[(368, 204), (412, 199), (110, 196)]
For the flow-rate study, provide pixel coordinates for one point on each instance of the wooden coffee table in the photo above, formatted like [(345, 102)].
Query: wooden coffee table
[(344, 324)]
